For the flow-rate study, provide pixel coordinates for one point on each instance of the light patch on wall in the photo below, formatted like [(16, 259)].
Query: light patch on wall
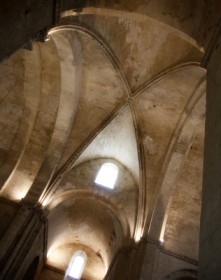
[(21, 195), (54, 256), (44, 202), (17, 195), (17, 187), (138, 235), (150, 144), (163, 228)]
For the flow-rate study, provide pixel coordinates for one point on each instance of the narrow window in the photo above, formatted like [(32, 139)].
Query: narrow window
[(107, 175), (76, 266)]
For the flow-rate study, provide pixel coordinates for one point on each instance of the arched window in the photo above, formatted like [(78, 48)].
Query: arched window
[(76, 266), (107, 175)]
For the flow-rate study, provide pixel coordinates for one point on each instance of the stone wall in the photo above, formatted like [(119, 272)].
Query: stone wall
[(22, 241), (159, 264), (48, 273), (210, 239), (24, 21)]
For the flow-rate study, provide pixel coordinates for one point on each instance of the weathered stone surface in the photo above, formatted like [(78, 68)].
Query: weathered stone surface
[(120, 82)]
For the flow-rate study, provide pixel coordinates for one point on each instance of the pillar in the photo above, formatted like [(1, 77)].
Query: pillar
[(210, 232)]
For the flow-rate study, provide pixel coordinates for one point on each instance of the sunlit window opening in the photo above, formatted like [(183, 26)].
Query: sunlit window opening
[(107, 175), (76, 266)]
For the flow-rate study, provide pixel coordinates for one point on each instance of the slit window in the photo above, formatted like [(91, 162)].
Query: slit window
[(76, 266), (107, 175)]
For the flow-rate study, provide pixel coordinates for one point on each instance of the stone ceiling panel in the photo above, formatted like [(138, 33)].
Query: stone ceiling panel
[(182, 230), (101, 93), (87, 222), (94, 269), (123, 199), (160, 108), (118, 141), (40, 114), (196, 19), (142, 47)]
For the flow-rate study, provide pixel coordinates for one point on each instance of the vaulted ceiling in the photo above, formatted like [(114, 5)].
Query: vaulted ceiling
[(118, 85)]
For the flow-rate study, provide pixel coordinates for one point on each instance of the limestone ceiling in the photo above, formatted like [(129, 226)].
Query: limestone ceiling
[(193, 18), (107, 86), (110, 143), (87, 223), (141, 52)]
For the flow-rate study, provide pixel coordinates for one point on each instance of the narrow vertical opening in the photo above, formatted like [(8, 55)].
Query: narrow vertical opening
[(76, 266), (107, 175)]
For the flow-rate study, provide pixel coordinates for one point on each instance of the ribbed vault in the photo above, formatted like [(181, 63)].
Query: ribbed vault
[(107, 88)]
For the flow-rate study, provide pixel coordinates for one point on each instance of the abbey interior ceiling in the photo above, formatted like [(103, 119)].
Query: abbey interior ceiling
[(114, 83)]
